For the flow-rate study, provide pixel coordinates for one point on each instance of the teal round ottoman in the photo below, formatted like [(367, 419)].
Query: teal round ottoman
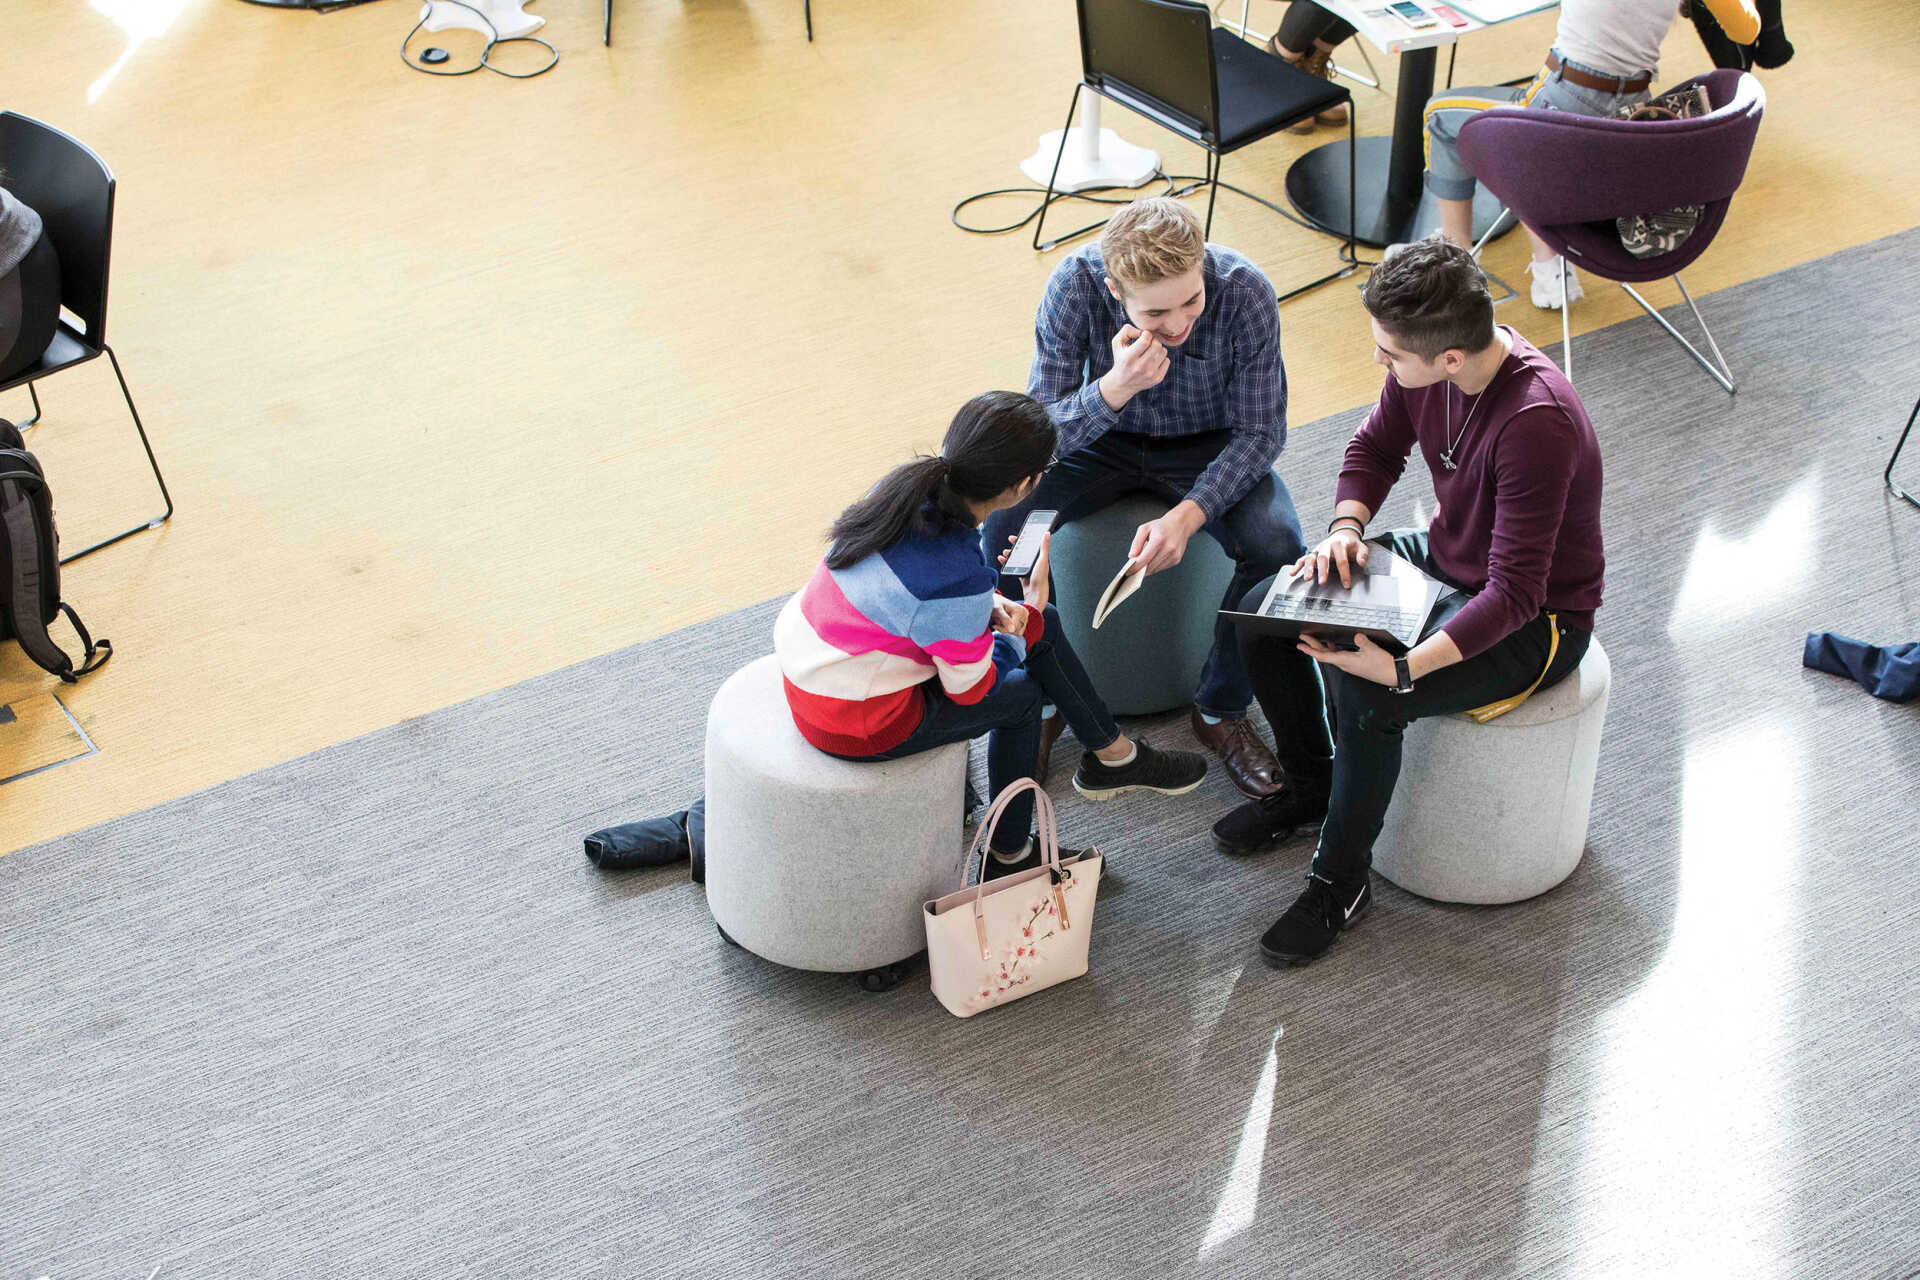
[(1147, 656)]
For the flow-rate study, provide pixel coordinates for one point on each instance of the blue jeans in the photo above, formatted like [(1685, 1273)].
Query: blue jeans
[(1010, 716), (1260, 533)]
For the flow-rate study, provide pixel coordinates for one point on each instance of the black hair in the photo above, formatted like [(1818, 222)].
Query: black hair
[(997, 440), (1433, 297)]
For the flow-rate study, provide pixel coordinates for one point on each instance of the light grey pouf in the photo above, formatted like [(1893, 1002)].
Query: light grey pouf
[(1147, 656), (816, 862), (1497, 812)]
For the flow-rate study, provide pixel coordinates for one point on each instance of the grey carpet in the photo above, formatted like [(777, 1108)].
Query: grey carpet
[(371, 1013)]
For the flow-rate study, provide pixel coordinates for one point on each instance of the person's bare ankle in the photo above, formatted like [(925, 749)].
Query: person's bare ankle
[(1119, 749)]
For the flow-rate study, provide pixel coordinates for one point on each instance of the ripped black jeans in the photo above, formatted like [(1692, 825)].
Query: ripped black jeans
[(1358, 763)]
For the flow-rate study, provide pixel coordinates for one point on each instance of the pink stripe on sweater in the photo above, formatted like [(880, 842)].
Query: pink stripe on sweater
[(835, 620)]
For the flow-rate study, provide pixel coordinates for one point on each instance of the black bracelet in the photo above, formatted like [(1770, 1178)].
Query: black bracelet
[(1359, 525)]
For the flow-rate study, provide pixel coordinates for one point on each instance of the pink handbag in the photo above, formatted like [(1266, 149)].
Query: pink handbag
[(1003, 939)]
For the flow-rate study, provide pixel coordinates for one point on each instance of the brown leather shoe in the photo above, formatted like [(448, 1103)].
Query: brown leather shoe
[(1250, 764), (1049, 734)]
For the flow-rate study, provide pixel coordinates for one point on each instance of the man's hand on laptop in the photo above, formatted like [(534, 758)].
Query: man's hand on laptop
[(1366, 659), (1340, 552)]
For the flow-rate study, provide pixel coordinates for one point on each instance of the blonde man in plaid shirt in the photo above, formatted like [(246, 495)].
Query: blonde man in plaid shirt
[(1158, 357)]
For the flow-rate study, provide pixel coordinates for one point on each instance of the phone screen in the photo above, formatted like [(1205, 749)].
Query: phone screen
[(1027, 550), (1414, 14)]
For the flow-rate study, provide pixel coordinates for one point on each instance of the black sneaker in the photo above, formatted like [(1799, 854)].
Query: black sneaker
[(1259, 826), (1171, 773), (1313, 922)]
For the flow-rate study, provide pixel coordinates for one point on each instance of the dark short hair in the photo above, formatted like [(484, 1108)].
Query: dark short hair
[(1433, 297)]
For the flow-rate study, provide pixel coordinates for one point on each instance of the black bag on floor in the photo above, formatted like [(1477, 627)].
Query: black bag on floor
[(30, 565), (657, 842)]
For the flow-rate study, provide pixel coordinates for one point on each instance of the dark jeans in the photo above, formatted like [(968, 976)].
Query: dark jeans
[(1359, 765), (1010, 715), (1261, 532), (1306, 22)]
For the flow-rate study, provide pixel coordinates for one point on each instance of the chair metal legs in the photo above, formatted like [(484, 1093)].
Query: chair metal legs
[(1566, 321), (1887, 476), (1717, 369), (1349, 253), (1371, 79), (152, 463), (606, 34), (1046, 201), (36, 409)]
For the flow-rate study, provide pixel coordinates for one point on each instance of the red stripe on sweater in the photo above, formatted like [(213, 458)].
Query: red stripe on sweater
[(864, 728)]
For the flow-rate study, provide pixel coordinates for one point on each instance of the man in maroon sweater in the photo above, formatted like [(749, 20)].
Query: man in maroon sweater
[(1516, 469)]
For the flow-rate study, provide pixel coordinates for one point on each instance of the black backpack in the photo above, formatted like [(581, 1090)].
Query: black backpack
[(30, 565)]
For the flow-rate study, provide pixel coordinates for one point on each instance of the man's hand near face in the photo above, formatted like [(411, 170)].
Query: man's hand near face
[(1139, 361)]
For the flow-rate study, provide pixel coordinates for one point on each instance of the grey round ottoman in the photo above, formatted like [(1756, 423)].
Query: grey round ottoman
[(1497, 812), (816, 862), (1147, 656)]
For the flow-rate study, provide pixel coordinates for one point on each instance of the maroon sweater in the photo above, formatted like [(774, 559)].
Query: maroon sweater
[(1519, 522)]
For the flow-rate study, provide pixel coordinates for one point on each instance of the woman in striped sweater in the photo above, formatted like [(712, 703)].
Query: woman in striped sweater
[(899, 642)]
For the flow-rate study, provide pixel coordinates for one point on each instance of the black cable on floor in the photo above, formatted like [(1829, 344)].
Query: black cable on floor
[(1193, 183), (493, 40)]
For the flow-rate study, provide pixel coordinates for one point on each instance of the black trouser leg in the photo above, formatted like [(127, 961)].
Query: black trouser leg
[(1306, 22), (1286, 683)]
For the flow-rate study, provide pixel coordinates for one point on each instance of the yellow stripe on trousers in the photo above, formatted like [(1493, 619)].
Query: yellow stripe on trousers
[(1462, 102)]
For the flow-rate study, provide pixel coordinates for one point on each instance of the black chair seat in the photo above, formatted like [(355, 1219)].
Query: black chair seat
[(63, 352), (1261, 94)]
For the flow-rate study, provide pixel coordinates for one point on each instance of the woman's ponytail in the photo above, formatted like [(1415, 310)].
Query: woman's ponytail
[(996, 441), (880, 519)]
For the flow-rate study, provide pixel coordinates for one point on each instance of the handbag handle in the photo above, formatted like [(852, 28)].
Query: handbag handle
[(1045, 824)]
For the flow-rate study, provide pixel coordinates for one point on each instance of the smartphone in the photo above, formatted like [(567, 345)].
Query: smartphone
[(1449, 15), (1413, 15), (1027, 549)]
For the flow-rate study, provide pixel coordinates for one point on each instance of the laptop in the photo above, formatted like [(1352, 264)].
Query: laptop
[(1389, 603)]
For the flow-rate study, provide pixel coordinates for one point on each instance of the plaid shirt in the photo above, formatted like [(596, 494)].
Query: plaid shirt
[(1228, 372)]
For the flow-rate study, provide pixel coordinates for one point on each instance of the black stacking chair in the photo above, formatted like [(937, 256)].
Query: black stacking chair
[(71, 189), (1167, 61)]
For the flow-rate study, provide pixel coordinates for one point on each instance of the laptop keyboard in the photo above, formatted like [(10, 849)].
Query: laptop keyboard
[(1340, 613)]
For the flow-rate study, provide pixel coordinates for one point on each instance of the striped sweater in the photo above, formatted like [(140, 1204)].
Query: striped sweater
[(856, 644)]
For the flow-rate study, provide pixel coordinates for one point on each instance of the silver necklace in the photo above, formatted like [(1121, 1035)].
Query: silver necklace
[(1454, 442)]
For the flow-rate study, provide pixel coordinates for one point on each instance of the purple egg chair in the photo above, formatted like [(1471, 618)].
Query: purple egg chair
[(1568, 177)]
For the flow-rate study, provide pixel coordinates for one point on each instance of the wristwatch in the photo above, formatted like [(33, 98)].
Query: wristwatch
[(1402, 675)]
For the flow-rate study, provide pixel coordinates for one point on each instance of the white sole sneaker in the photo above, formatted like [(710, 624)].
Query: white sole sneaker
[(1546, 286), (1102, 795)]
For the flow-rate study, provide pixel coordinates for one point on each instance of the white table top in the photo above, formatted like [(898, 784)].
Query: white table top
[(1390, 35)]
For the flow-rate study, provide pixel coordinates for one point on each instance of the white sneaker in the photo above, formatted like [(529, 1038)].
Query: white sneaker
[(1546, 285)]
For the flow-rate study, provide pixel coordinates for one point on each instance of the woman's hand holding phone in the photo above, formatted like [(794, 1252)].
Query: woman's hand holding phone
[(1036, 586)]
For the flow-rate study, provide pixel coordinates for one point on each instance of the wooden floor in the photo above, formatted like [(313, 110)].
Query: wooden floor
[(458, 381)]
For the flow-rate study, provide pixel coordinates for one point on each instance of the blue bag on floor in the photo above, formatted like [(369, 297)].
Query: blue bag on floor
[(657, 842), (1891, 672)]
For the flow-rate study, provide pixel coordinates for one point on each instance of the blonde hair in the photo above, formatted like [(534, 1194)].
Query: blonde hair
[(1152, 240)]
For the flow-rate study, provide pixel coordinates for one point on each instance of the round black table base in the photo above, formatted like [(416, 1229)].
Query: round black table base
[(1317, 186)]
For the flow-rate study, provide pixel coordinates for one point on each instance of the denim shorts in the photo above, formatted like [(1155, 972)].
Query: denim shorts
[(1447, 178)]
